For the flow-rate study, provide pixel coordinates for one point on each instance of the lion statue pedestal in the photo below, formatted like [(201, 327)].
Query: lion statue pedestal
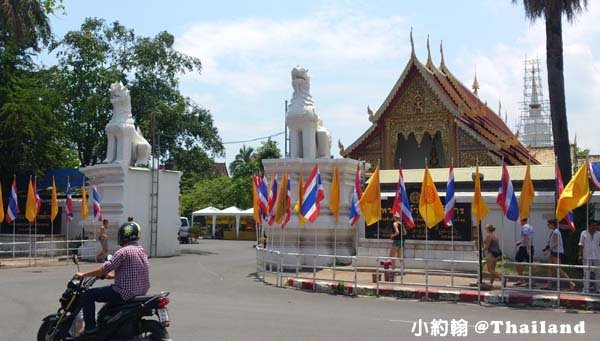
[(125, 190)]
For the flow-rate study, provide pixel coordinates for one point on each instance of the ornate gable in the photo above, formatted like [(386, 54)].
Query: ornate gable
[(425, 108)]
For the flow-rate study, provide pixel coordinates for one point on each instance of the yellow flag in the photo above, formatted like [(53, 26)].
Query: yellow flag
[(370, 202), (334, 201), (299, 201), (430, 205), (527, 195), (280, 205), (256, 209), (1, 205), (478, 207), (53, 202), (84, 206), (31, 204), (575, 194)]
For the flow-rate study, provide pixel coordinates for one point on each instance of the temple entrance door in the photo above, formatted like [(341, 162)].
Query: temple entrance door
[(413, 154)]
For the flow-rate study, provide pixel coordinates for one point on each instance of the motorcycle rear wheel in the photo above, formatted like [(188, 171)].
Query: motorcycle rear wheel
[(153, 330)]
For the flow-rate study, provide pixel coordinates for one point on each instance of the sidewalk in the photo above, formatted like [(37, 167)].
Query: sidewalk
[(439, 289)]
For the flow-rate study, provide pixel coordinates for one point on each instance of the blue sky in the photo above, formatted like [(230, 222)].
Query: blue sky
[(355, 51)]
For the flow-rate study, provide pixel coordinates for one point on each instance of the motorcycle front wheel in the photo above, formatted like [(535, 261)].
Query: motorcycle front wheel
[(153, 330), (45, 329)]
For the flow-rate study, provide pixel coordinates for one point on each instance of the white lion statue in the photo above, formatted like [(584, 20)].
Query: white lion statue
[(309, 139), (126, 144)]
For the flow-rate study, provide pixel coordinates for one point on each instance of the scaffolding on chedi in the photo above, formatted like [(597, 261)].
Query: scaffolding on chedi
[(535, 125)]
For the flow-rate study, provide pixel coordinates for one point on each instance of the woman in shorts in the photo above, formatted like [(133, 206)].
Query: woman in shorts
[(397, 240), (492, 249)]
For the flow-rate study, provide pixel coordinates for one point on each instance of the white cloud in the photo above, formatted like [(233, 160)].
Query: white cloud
[(253, 56)]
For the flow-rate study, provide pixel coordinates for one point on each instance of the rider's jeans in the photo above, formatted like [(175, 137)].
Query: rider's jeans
[(100, 294)]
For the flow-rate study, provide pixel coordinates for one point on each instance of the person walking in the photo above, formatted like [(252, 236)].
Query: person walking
[(589, 255), (397, 240), (103, 240), (525, 250), (556, 252), (492, 247)]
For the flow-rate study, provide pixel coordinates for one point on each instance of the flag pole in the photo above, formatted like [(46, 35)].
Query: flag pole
[(426, 251), (14, 220), (452, 234), (401, 227), (67, 213), (52, 235), (502, 240), (82, 208), (479, 255), (34, 245), (29, 223), (378, 166), (335, 231), (297, 263)]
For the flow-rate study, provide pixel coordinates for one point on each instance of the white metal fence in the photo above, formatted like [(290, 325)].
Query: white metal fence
[(34, 253), (271, 263)]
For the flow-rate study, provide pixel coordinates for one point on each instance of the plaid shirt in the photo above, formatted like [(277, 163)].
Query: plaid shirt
[(130, 264)]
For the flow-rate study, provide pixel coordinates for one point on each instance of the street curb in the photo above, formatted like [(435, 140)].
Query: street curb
[(568, 301)]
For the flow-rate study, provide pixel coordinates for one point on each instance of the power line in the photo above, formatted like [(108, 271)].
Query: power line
[(256, 139)]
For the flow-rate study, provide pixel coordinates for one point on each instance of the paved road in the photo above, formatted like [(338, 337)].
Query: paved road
[(215, 296)]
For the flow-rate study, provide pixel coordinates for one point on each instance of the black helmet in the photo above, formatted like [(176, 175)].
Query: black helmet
[(129, 232)]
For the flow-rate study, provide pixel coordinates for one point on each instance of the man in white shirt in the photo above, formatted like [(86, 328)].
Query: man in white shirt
[(589, 254), (525, 249)]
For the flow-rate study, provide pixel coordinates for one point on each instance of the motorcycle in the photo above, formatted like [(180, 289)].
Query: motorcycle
[(122, 321)]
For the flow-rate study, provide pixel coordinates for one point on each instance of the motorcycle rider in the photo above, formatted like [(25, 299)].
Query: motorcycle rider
[(131, 275)]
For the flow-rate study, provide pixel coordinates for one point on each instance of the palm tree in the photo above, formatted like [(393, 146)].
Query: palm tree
[(246, 155), (552, 12), (25, 22)]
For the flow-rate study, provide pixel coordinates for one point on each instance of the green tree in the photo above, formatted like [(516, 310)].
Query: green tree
[(245, 155), (32, 137), (89, 61), (214, 192), (267, 150), (100, 54), (552, 11), (24, 24)]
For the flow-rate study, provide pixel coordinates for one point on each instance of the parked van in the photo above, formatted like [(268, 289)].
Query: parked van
[(184, 231)]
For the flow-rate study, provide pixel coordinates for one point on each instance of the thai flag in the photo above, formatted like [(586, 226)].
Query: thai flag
[(356, 194), (263, 195), (272, 200), (69, 202), (506, 196), (38, 200), (13, 204), (401, 205), (288, 204), (313, 194), (450, 198), (96, 203), (559, 188), (595, 173)]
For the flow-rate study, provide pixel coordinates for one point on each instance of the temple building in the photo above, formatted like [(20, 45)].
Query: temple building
[(429, 114)]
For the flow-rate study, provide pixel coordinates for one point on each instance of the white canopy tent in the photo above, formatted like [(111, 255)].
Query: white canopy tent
[(207, 212), (228, 212)]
